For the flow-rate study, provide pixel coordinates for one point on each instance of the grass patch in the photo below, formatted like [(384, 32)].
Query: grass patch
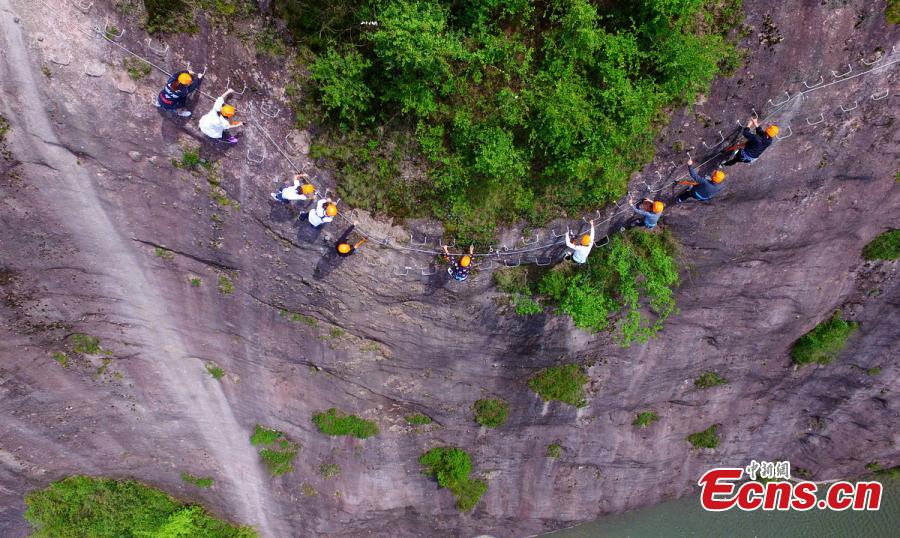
[(418, 419), (491, 413), (564, 383), (137, 69), (61, 358), (875, 468), (104, 508), (708, 438), (279, 452), (824, 343), (892, 11), (215, 370), (295, 316), (4, 128), (308, 490), (163, 253), (329, 470), (170, 16), (203, 482), (225, 285), (87, 345), (334, 422), (195, 282), (873, 371), (644, 419), (191, 160), (709, 379), (886, 246), (46, 72), (554, 450), (452, 468)]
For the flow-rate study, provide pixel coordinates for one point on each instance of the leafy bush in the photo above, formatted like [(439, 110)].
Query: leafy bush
[(199, 481), (708, 438), (554, 450), (418, 419), (563, 383), (334, 422), (823, 344), (884, 247), (170, 16), (709, 379), (645, 418), (452, 469), (102, 508), (636, 264), (215, 370), (225, 286), (280, 452), (491, 413), (892, 11), (520, 109), (86, 344), (329, 470)]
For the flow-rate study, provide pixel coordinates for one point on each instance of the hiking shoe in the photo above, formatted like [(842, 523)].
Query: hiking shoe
[(275, 196), (184, 113), (232, 139)]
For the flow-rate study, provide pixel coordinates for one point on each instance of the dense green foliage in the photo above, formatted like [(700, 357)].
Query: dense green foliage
[(563, 383), (884, 247), (279, 452), (709, 379), (892, 11), (452, 468), (80, 506), (645, 418), (708, 438), (636, 270), (491, 412), (520, 108), (823, 344), (418, 419), (334, 422), (199, 481)]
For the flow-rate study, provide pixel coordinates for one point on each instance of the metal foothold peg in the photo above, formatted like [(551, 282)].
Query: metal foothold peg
[(835, 74), (533, 241), (270, 111), (518, 262), (543, 261), (854, 107), (427, 271), (255, 157), (111, 35), (881, 95), (790, 132), (721, 140), (412, 240), (605, 242), (818, 121), (788, 98), (160, 50), (873, 62), (84, 7), (396, 271), (815, 84)]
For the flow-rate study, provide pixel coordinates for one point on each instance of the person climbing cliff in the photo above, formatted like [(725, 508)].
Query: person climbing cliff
[(648, 211), (301, 190), (217, 122), (175, 94), (343, 246), (758, 140), (459, 268), (324, 212), (702, 188), (581, 251)]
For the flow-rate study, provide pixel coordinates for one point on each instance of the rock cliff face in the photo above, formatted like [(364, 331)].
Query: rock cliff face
[(90, 199)]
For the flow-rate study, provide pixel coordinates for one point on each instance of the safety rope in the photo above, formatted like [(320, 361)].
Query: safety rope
[(502, 251)]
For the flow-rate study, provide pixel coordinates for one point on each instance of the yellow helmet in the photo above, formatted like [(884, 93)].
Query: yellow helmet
[(465, 261), (772, 131), (718, 176), (227, 111), (585, 240), (185, 79), (307, 189), (344, 248), (658, 206), (331, 210)]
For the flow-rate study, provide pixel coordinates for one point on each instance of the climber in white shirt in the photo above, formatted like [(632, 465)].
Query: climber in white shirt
[(580, 252), (216, 122), (324, 213)]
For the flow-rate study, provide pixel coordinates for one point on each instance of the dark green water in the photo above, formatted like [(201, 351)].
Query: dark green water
[(685, 517)]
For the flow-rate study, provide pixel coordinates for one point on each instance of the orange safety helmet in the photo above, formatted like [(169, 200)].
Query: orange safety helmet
[(465, 261), (185, 79), (585, 240), (344, 248), (658, 206), (718, 176), (772, 131), (331, 210), (307, 189), (227, 111)]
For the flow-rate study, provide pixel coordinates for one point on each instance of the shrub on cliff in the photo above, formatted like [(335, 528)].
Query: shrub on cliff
[(824, 343), (279, 452), (102, 508), (563, 383), (491, 413), (708, 438), (334, 422), (884, 247), (452, 468), (635, 272)]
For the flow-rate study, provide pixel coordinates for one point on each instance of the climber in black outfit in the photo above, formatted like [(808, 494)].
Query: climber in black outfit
[(758, 140)]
